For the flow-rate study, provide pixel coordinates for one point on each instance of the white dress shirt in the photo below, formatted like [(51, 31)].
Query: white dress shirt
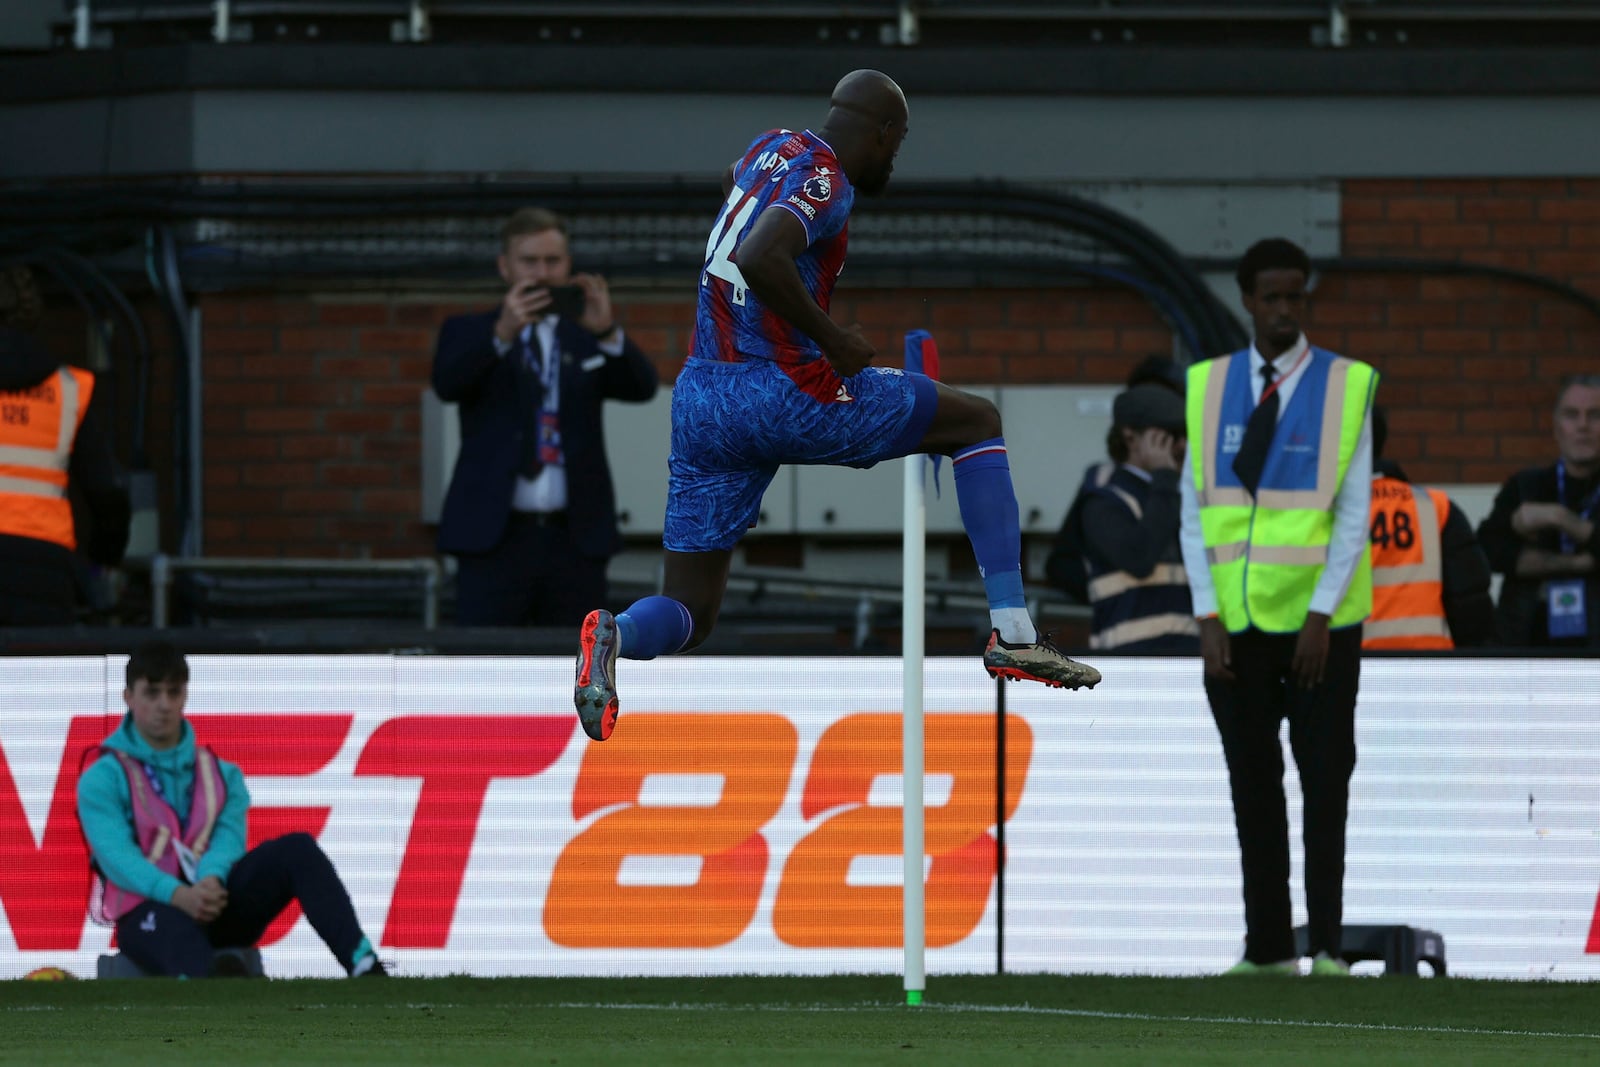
[(1351, 505), (547, 491)]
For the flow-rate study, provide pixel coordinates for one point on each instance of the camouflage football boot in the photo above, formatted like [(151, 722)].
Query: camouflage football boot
[(1041, 661)]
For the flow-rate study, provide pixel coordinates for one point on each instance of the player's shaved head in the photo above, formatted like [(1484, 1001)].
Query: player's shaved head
[(867, 121), (871, 95)]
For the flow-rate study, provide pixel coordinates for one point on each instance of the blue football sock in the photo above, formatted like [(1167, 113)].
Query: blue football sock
[(989, 513), (654, 626)]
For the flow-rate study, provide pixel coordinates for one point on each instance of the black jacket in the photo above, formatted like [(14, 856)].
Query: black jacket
[(1067, 566), (469, 372), (1118, 540), (1521, 617)]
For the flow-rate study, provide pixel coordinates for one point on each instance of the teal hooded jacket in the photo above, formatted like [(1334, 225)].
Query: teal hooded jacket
[(106, 810)]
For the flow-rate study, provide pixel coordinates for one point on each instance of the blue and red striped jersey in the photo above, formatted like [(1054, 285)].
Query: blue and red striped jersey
[(781, 168)]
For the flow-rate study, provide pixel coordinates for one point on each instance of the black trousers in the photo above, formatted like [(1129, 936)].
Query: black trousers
[(38, 583), (535, 576), (1322, 735), (164, 940)]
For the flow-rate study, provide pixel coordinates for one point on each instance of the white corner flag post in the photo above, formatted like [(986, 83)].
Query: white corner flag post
[(912, 619), (921, 357)]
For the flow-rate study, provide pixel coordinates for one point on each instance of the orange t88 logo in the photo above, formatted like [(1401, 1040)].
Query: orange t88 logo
[(588, 907), (753, 756), (816, 908)]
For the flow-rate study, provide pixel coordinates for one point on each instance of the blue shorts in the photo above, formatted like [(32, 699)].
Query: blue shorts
[(735, 424)]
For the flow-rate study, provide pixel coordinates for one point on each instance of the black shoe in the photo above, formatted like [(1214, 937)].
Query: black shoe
[(228, 965)]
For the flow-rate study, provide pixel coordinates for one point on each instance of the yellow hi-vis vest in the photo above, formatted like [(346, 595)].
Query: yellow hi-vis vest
[(37, 428), (1267, 551)]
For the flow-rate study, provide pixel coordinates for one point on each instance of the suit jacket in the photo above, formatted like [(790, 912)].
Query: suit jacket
[(470, 373)]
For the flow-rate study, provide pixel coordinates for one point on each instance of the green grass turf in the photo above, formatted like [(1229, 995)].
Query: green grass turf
[(834, 1021)]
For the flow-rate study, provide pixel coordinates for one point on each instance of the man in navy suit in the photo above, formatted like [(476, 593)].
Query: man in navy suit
[(531, 515)]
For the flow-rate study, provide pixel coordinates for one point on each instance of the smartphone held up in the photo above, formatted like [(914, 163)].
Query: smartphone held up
[(565, 300)]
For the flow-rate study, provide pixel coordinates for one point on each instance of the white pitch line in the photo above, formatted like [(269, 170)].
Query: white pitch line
[(1087, 1013), (1020, 1009), (1136, 1016)]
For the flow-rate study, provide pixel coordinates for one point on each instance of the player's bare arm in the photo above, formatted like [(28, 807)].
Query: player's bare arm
[(766, 260)]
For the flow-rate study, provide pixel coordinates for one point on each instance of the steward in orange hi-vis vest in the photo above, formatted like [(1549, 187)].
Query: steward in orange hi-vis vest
[(37, 428), (1430, 580), (1407, 572), (53, 439)]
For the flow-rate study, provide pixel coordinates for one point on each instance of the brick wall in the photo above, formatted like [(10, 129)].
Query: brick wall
[(312, 439), (1469, 364), (312, 426), (312, 443)]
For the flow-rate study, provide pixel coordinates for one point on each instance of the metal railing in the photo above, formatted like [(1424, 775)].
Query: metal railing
[(755, 582), (163, 567), (751, 582)]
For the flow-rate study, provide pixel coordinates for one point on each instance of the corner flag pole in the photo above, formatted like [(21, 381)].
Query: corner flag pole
[(921, 357)]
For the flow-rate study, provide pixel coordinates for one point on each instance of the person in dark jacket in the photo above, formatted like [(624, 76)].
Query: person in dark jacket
[(1137, 585), (1542, 534), (531, 514), (1067, 566), (54, 444)]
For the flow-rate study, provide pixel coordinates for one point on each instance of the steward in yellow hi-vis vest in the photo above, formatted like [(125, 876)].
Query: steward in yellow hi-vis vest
[(1274, 511), (1266, 551)]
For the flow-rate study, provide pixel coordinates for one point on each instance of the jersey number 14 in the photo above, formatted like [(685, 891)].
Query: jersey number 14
[(724, 235)]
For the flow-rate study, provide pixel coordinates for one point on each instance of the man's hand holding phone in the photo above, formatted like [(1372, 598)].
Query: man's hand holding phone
[(595, 313), (524, 304)]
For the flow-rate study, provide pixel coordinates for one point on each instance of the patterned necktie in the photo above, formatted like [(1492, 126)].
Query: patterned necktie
[(530, 387), (1251, 458)]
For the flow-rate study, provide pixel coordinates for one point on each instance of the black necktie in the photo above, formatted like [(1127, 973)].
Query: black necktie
[(530, 386), (1252, 455)]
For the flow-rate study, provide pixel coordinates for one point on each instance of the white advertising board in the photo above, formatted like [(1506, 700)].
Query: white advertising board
[(745, 816)]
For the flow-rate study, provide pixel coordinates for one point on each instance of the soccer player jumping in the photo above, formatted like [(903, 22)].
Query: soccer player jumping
[(771, 379)]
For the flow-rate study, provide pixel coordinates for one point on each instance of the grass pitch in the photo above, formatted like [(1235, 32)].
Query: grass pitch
[(834, 1022)]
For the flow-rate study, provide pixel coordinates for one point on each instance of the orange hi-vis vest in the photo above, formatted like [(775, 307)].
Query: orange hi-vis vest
[(37, 428), (1407, 583)]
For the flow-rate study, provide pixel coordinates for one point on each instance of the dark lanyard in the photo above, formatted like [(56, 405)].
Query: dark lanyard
[(155, 782), (1587, 511)]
